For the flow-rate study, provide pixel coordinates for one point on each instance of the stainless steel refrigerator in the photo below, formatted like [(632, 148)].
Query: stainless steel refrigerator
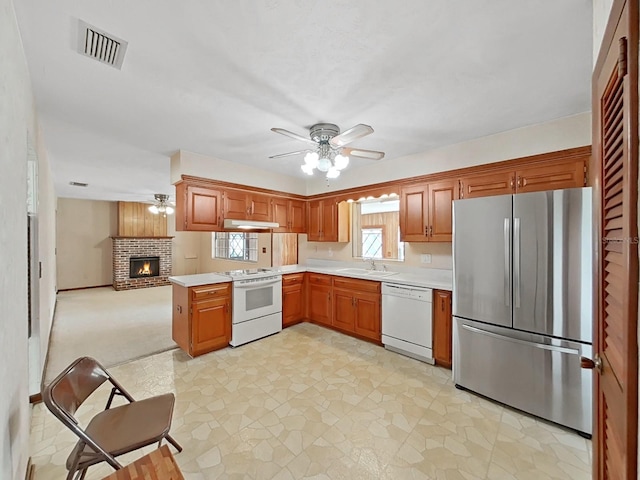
[(522, 302)]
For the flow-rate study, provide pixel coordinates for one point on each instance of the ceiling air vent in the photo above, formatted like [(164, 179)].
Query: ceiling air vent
[(100, 45), (78, 184)]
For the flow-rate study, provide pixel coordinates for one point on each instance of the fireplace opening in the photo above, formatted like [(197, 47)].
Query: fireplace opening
[(144, 267)]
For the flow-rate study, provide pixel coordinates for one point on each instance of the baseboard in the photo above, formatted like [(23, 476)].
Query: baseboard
[(84, 288), (35, 398)]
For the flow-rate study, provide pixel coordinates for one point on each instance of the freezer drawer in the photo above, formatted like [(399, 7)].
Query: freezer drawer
[(536, 374)]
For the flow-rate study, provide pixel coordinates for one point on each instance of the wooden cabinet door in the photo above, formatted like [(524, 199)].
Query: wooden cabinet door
[(442, 328), (292, 304), (297, 216), (569, 174), (497, 183), (293, 299), (198, 209), (210, 325), (368, 316), (344, 310), (236, 205), (280, 214), (320, 310), (414, 213), (259, 207), (314, 224), (329, 226), (441, 197)]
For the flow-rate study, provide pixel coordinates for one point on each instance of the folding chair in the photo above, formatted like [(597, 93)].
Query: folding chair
[(114, 431)]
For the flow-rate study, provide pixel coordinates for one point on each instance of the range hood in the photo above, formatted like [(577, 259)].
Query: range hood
[(248, 224)]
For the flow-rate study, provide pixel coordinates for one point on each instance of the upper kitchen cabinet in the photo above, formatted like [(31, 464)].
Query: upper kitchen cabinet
[(551, 177), (426, 210), (328, 221), (198, 208), (289, 214), (240, 205), (553, 171)]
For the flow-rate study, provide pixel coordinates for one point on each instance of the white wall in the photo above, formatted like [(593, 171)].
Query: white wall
[(568, 132), (189, 163), (601, 10), (17, 119), (85, 249), (39, 343)]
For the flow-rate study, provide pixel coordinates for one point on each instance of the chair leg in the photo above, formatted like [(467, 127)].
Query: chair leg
[(84, 473), (174, 443)]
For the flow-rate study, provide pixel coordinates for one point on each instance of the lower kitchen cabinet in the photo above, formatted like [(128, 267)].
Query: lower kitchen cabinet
[(319, 299), (442, 331), (357, 307), (201, 320), (293, 299)]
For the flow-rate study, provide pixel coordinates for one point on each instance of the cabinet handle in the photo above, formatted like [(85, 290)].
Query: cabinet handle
[(519, 184), (461, 189), (431, 230), (426, 231), (511, 182)]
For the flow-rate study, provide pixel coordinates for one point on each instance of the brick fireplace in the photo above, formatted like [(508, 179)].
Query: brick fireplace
[(127, 248)]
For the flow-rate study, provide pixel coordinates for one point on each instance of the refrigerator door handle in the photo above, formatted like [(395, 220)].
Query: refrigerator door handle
[(516, 262), (542, 346), (507, 261)]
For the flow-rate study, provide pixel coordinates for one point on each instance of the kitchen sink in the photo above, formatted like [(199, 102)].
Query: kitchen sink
[(364, 271), (378, 273), (354, 271)]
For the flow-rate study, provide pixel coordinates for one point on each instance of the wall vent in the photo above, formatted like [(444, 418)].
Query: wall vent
[(78, 184), (100, 45)]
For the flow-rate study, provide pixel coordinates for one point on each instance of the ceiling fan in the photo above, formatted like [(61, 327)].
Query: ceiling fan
[(329, 153)]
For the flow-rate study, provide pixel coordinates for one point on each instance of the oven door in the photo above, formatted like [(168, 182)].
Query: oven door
[(254, 298)]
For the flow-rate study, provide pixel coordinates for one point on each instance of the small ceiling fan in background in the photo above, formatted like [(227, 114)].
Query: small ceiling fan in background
[(330, 153)]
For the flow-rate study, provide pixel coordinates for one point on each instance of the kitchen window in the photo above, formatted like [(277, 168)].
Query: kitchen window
[(235, 246)]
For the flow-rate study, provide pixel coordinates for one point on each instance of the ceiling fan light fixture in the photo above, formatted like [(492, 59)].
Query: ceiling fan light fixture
[(324, 164), (161, 205), (306, 168), (333, 172), (311, 159), (341, 162)]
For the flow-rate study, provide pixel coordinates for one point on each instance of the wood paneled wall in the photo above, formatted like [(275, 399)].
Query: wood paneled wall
[(389, 223), (135, 220)]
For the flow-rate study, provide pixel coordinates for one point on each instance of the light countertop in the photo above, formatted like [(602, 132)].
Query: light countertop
[(199, 279), (429, 278)]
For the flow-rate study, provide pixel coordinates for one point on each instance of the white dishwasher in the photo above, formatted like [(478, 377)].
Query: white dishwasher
[(407, 320)]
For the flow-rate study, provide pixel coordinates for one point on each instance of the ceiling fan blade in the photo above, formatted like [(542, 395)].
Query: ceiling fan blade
[(287, 133), (348, 136), (358, 152), (280, 155)]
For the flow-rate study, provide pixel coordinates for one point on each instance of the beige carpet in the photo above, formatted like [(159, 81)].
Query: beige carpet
[(113, 327)]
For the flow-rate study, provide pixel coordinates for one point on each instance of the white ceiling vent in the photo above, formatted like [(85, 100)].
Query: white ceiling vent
[(100, 45)]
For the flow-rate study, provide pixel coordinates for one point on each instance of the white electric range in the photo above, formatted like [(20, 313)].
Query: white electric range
[(257, 304)]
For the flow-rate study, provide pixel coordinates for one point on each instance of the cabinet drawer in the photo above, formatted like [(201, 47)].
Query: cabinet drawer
[(319, 279), (292, 279), (353, 284), (205, 292)]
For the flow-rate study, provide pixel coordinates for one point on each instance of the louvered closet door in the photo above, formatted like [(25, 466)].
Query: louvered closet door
[(615, 150)]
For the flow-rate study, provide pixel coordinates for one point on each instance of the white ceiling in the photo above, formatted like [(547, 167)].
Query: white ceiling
[(213, 77)]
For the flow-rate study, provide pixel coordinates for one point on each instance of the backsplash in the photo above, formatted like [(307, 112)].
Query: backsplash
[(441, 256)]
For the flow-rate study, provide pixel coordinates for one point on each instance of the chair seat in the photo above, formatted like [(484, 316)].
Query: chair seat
[(128, 427)]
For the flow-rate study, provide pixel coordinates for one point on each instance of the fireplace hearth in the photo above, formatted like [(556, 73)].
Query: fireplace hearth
[(140, 267)]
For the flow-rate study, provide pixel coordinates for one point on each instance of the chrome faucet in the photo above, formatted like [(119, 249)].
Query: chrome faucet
[(373, 264)]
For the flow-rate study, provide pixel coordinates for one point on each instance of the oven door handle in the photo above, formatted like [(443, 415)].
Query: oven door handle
[(252, 284)]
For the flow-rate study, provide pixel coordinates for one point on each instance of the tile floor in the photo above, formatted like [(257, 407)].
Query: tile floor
[(312, 403)]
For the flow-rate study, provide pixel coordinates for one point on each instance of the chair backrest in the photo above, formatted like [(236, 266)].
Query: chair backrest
[(69, 390)]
